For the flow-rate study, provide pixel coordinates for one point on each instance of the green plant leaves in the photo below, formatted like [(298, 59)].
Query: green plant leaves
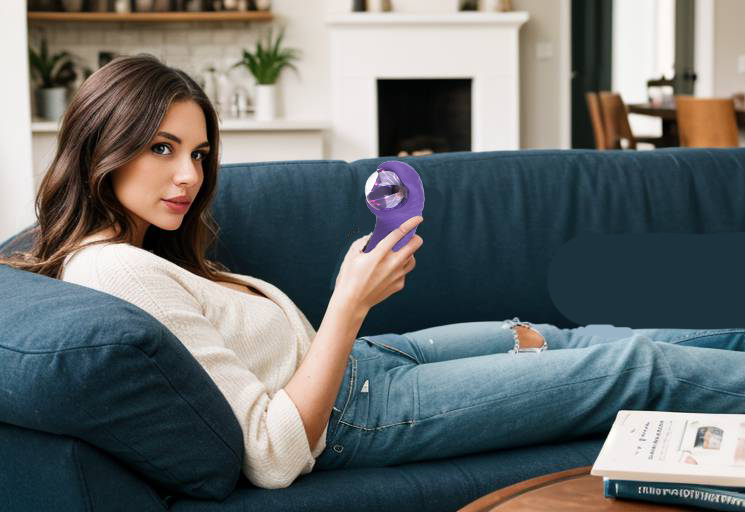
[(269, 59), (54, 71)]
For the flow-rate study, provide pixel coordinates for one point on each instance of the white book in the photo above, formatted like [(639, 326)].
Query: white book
[(679, 447)]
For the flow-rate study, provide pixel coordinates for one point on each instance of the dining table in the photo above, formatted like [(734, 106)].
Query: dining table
[(666, 112)]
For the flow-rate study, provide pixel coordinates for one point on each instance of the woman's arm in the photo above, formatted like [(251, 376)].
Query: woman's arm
[(364, 280), (316, 382)]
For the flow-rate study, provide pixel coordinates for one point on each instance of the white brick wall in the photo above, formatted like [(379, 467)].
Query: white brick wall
[(190, 46)]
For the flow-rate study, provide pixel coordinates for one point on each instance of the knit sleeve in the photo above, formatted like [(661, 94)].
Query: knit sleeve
[(276, 448)]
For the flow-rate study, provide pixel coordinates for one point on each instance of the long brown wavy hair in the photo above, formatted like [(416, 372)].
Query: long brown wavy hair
[(111, 118)]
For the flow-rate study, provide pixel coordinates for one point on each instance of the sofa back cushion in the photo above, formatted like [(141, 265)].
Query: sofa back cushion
[(493, 221), (83, 363)]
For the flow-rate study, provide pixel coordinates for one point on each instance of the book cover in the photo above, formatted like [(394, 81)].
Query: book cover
[(675, 447), (710, 497)]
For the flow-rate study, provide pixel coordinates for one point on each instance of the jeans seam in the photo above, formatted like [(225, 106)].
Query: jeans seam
[(485, 402), (414, 347), (383, 345), (708, 388), (352, 380), (381, 427), (706, 334)]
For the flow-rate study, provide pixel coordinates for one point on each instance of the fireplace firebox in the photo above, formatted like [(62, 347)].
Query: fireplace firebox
[(423, 116)]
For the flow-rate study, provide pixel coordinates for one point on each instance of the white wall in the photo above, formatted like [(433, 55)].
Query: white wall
[(16, 189), (703, 52), (729, 46), (545, 52)]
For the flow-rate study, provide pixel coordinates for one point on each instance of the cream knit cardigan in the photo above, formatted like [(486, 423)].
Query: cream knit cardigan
[(249, 345)]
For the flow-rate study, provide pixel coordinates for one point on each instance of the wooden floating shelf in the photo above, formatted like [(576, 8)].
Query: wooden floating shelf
[(152, 16)]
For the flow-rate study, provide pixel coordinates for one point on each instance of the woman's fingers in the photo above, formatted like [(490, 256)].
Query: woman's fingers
[(410, 264), (386, 245)]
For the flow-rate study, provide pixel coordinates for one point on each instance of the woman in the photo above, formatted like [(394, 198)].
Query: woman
[(139, 137)]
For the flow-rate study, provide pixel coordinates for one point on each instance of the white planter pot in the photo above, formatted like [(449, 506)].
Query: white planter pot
[(426, 6), (51, 102), (266, 102)]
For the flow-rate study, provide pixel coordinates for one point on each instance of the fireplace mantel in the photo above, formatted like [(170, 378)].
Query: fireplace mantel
[(515, 19), (481, 46)]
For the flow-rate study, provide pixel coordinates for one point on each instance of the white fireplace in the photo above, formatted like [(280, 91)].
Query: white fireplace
[(480, 46)]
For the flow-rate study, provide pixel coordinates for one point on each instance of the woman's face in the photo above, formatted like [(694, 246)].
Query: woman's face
[(169, 166)]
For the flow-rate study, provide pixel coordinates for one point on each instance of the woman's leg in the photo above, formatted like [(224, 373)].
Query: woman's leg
[(408, 411), (472, 339)]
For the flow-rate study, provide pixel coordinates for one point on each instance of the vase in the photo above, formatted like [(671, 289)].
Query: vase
[(51, 102), (100, 6), (72, 5), (122, 6), (266, 101), (144, 5), (194, 6)]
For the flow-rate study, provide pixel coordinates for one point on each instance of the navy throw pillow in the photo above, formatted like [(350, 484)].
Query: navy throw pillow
[(83, 363)]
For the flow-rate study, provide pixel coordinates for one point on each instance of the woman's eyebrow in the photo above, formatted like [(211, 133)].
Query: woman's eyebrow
[(176, 139)]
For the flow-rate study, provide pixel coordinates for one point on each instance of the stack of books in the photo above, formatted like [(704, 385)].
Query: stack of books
[(677, 458)]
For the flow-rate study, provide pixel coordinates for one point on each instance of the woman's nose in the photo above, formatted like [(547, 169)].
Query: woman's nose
[(188, 172)]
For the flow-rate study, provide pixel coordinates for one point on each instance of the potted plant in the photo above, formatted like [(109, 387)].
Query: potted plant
[(265, 64), (55, 73)]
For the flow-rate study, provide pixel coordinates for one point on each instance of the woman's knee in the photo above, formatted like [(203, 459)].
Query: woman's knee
[(525, 333), (637, 349)]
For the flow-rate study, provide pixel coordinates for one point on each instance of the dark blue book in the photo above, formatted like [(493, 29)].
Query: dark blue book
[(697, 495)]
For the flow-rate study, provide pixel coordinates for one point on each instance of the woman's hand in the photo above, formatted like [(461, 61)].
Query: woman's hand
[(369, 278)]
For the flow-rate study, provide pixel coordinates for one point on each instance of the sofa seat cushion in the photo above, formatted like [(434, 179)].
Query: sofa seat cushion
[(435, 485), (82, 363), (65, 473)]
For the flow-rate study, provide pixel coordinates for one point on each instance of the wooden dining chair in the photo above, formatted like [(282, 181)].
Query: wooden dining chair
[(596, 118), (706, 122), (616, 123)]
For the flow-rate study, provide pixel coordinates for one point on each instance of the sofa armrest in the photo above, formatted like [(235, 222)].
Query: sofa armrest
[(43, 471)]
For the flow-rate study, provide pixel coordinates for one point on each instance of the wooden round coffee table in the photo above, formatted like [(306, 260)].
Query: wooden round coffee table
[(574, 489)]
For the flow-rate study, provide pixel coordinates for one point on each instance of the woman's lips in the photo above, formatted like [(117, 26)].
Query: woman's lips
[(177, 207)]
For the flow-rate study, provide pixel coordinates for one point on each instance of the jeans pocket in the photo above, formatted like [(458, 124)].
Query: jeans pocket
[(389, 348)]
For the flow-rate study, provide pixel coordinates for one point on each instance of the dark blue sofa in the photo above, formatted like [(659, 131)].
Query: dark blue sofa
[(493, 221)]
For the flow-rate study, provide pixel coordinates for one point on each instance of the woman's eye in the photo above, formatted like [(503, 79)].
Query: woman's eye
[(161, 145), (202, 154)]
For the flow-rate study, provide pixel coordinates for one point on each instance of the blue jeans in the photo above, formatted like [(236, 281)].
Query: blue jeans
[(453, 389)]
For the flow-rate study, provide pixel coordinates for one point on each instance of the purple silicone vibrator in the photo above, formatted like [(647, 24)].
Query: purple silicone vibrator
[(394, 193)]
